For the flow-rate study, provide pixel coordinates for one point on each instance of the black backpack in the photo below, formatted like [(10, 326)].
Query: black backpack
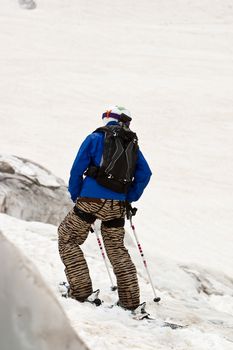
[(117, 167)]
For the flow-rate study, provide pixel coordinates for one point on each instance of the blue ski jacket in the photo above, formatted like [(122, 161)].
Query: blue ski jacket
[(91, 152)]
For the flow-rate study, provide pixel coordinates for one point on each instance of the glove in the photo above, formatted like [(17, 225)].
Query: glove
[(130, 211)]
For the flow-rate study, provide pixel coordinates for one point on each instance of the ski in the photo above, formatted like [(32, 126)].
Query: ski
[(164, 324), (174, 325), (141, 314)]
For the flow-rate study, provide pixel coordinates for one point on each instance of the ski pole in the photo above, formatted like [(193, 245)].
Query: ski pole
[(113, 288), (133, 212)]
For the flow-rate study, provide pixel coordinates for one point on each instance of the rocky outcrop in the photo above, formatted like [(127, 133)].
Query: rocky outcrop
[(30, 192)]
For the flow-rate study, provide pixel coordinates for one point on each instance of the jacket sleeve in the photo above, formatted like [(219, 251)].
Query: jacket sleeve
[(141, 179), (79, 166)]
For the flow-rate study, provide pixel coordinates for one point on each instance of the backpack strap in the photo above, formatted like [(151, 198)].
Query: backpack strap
[(118, 130), (102, 129)]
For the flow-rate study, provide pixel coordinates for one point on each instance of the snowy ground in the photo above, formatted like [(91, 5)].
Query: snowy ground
[(30, 318), (171, 63), (201, 299)]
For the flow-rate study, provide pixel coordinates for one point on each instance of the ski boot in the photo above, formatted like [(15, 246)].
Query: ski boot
[(140, 313), (94, 298), (64, 289)]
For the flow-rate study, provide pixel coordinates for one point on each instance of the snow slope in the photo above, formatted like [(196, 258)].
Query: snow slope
[(30, 316), (190, 295), (169, 62)]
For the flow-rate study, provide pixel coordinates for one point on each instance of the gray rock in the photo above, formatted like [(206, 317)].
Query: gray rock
[(27, 4), (30, 192)]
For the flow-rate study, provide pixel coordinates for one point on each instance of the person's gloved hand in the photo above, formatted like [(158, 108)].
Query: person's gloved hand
[(130, 211)]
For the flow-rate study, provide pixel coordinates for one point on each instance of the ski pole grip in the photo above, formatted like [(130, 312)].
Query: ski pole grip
[(134, 211), (130, 211)]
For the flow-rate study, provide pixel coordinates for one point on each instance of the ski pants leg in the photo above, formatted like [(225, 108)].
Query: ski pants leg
[(112, 215), (124, 269), (72, 233)]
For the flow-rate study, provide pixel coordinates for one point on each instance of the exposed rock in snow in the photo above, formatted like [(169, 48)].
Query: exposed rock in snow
[(30, 316), (210, 283), (30, 192), (27, 4)]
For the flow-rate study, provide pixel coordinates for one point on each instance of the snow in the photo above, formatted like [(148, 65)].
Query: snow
[(207, 314), (170, 64), (30, 317)]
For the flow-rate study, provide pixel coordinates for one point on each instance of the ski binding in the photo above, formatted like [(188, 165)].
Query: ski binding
[(64, 289)]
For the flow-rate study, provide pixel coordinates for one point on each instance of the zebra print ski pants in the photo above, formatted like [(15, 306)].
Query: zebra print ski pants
[(73, 232)]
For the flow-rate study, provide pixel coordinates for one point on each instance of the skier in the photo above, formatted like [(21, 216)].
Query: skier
[(97, 196)]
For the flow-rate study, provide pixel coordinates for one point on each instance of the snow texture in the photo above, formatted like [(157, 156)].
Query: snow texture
[(30, 317), (199, 298), (30, 192), (170, 63)]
